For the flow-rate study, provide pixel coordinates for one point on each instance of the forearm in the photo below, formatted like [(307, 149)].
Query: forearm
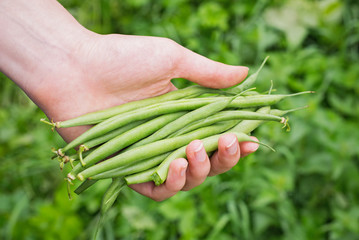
[(38, 39)]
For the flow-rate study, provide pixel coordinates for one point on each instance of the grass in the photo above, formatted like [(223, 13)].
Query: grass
[(308, 189)]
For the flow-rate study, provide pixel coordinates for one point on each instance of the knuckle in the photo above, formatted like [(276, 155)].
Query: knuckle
[(228, 162)]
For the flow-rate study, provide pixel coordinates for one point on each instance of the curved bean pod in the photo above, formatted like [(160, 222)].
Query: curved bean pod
[(150, 150), (229, 115), (111, 194), (98, 116), (169, 107), (131, 168), (210, 144), (184, 120), (249, 81), (106, 137), (125, 139), (140, 177)]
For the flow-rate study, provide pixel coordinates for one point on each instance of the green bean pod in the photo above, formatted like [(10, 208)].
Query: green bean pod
[(142, 171), (246, 84), (184, 120), (244, 127), (108, 136), (140, 177), (111, 194), (229, 115), (248, 126), (169, 107), (250, 93), (210, 144), (150, 150), (84, 185), (133, 171), (98, 116), (125, 139), (131, 168)]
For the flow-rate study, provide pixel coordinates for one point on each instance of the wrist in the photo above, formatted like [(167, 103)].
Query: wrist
[(39, 45)]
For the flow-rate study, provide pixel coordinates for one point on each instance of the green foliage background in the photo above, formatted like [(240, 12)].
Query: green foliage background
[(308, 189)]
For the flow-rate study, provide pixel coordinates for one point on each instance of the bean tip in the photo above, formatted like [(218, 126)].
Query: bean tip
[(80, 177), (157, 179), (285, 123), (52, 123), (69, 182), (70, 176)]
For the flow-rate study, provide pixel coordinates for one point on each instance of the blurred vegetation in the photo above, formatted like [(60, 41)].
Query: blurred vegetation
[(308, 189)]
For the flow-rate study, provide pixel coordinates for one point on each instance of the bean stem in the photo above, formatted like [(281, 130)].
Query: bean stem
[(249, 81)]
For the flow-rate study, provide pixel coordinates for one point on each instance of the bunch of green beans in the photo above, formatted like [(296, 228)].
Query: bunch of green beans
[(136, 142)]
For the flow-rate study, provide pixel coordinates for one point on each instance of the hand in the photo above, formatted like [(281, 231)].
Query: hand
[(185, 174), (68, 71)]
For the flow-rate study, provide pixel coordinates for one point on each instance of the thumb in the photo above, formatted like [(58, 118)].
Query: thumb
[(208, 73)]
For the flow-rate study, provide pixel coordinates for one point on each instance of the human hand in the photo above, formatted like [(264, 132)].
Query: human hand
[(151, 63), (79, 72)]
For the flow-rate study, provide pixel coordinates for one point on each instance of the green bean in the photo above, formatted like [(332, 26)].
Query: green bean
[(99, 140), (84, 185), (122, 171), (278, 112), (250, 93), (244, 127), (248, 126), (210, 144), (229, 115), (108, 200), (126, 139), (140, 177), (131, 168), (126, 170), (169, 107), (111, 194), (248, 82), (106, 137), (184, 120), (98, 116), (150, 150)]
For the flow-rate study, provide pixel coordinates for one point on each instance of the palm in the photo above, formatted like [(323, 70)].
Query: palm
[(116, 69), (120, 69)]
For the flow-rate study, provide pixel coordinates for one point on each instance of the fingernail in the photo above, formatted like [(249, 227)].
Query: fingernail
[(199, 152), (232, 147), (253, 146), (183, 169)]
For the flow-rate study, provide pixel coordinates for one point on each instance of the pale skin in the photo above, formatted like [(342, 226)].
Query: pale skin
[(68, 71)]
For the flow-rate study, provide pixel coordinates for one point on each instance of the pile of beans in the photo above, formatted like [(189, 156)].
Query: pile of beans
[(136, 142)]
